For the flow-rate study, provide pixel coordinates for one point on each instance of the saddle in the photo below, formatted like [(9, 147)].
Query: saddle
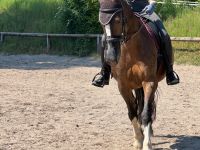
[(154, 33), (152, 30)]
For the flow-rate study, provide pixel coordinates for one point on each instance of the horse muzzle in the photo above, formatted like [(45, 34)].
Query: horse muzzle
[(113, 50), (110, 55)]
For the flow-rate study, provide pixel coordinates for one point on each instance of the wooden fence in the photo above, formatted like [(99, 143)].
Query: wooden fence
[(97, 36), (186, 3), (49, 36)]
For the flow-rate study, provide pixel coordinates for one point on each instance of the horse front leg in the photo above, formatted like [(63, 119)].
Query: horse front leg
[(138, 135), (146, 117), (132, 113)]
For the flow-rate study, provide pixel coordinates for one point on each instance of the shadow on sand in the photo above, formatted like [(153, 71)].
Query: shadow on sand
[(183, 142), (38, 62)]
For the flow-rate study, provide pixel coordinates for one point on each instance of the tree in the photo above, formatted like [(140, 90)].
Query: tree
[(80, 16)]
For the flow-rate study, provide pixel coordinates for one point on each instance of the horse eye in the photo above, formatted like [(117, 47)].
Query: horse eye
[(117, 20)]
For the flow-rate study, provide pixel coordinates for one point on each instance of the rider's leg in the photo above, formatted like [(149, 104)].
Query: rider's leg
[(103, 77), (167, 51), (171, 77)]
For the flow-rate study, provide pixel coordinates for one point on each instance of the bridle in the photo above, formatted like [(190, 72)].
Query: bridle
[(113, 11)]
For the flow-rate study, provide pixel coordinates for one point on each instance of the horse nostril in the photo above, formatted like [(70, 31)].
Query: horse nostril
[(113, 49), (110, 55)]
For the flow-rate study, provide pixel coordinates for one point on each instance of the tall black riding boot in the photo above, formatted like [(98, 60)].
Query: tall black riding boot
[(103, 77), (171, 76)]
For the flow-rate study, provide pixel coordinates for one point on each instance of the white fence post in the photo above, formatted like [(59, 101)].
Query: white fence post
[(1, 39), (48, 44), (98, 43)]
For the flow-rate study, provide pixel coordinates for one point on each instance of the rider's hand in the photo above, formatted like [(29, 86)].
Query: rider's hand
[(149, 9)]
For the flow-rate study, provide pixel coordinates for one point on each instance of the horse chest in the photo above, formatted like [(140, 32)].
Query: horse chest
[(131, 76)]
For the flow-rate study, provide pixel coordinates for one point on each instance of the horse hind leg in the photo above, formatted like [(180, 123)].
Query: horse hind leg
[(146, 116), (147, 145), (137, 123), (139, 93)]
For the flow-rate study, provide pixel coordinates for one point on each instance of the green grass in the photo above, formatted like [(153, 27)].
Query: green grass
[(41, 16), (37, 16), (186, 24), (29, 16), (187, 57)]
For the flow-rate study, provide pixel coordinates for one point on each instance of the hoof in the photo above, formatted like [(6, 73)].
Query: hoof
[(137, 145), (147, 148)]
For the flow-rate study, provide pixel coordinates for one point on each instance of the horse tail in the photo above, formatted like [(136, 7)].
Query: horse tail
[(139, 93), (153, 108)]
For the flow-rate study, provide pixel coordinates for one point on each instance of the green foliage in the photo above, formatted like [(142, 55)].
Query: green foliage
[(186, 56), (186, 23), (166, 10), (71, 46), (29, 15), (80, 16), (76, 16), (48, 16)]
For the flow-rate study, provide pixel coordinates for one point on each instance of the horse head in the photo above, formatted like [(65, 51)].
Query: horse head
[(112, 19), (119, 23)]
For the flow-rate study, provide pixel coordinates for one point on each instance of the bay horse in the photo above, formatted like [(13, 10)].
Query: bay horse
[(135, 67)]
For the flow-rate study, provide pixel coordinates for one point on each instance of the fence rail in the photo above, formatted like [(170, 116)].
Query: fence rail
[(186, 39), (187, 3), (50, 35), (97, 36)]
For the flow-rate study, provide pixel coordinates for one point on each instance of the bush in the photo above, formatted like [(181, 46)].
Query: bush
[(79, 16), (29, 16), (49, 16), (68, 16), (166, 10)]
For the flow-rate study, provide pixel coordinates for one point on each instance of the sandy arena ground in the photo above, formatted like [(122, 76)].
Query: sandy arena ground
[(48, 103)]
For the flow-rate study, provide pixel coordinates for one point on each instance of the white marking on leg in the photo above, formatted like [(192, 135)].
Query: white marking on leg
[(138, 135), (147, 137), (108, 30)]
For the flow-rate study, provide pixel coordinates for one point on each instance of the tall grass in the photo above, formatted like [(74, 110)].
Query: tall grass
[(29, 15), (186, 23), (37, 16), (187, 57), (43, 16)]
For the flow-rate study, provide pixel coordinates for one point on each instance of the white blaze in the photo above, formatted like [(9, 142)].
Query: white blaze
[(108, 30)]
